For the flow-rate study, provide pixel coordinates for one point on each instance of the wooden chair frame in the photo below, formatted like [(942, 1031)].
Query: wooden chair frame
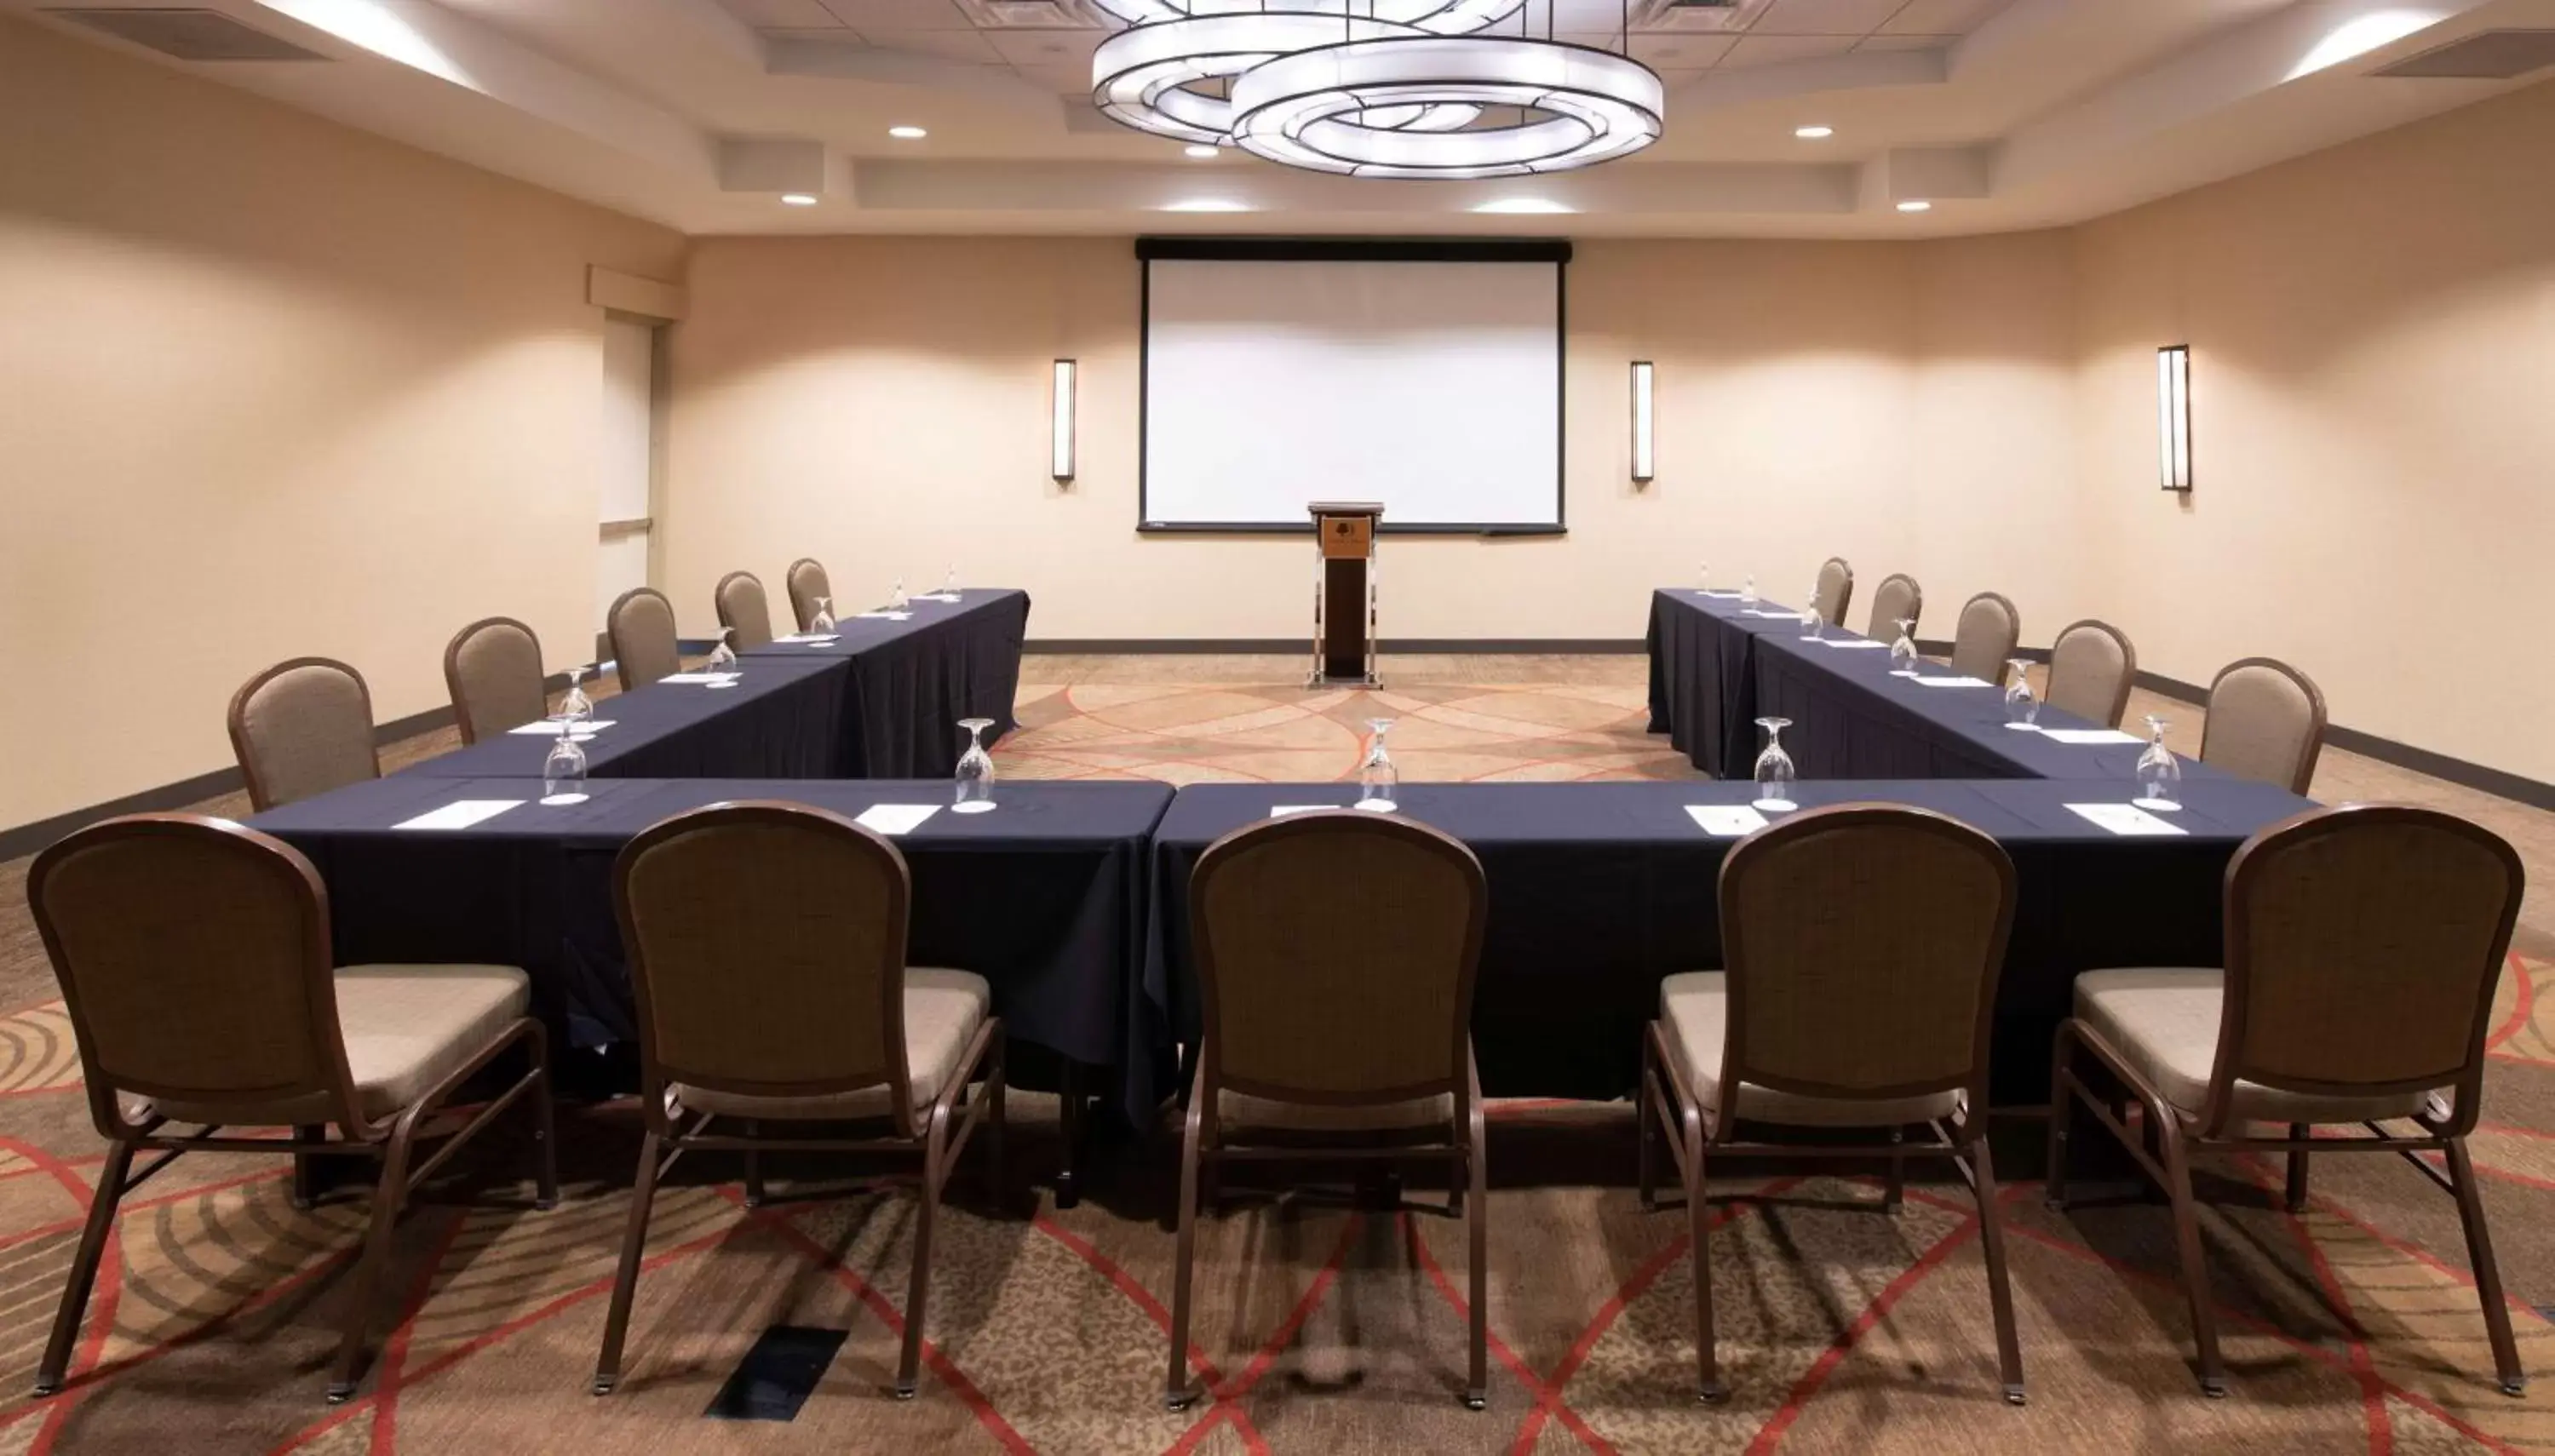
[(802, 608), (727, 613), (453, 671), (389, 1142), (2214, 1128), (1915, 607), (940, 1135), (2305, 776), (2128, 663), (612, 634)]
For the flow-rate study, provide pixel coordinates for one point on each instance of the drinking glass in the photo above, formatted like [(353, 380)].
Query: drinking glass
[(1703, 577), (1748, 592), (897, 600), (1774, 768), (949, 582), (2022, 710), (823, 621), (1810, 623), (724, 658), (975, 770), (1903, 653), (575, 709), (1377, 777), (2160, 773), (563, 772)]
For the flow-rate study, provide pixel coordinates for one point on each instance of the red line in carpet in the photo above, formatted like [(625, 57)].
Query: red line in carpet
[(1770, 1435), (1547, 1397), (2373, 1391), (2524, 999), (1143, 1298), (1231, 1392), (392, 1359), (101, 1317)]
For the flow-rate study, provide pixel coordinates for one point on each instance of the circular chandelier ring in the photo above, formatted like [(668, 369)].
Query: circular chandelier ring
[(1142, 76)]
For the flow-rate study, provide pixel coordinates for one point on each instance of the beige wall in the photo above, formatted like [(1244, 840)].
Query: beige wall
[(880, 404), (269, 387), (2373, 335)]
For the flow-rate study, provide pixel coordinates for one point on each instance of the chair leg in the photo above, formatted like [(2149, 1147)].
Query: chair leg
[(2000, 1283), (1178, 1391), (1477, 1215), (544, 1126), (1707, 1359), (92, 1247), (1645, 1154), (625, 1281), (388, 1194), (909, 1364), (2061, 1112), (2297, 1189), (2186, 1235), (996, 1133), (306, 1168), (2488, 1274), (1894, 1192), (753, 1167)]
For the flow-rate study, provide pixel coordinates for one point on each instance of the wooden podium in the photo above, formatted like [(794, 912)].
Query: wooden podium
[(1343, 594)]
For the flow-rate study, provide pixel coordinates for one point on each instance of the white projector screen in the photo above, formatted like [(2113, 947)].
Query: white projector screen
[(1432, 386)]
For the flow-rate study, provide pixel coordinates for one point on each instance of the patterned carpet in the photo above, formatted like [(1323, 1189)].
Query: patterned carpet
[(1328, 1328)]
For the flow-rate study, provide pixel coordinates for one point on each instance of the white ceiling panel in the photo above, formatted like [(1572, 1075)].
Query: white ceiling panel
[(866, 16), (1049, 48), (1754, 50), (1943, 17), (781, 14), (968, 45), (1856, 18)]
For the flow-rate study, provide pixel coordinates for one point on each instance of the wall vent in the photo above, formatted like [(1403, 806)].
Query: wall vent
[(188, 33), (2486, 55)]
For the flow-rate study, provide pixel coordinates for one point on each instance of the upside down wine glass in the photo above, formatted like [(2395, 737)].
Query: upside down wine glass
[(563, 772), (975, 794), (1774, 768), (1703, 577), (823, 621), (2022, 710), (1810, 623), (949, 582), (2159, 774), (724, 658), (575, 709), (1903, 653), (897, 600), (1377, 777), (1748, 592)]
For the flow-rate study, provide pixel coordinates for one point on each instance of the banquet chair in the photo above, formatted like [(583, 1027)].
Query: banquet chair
[(807, 587), (2091, 668), (2362, 944), (1835, 590), (743, 611), (1875, 1020), (1335, 957), (2265, 722), (493, 669), (1984, 640), (767, 947), (193, 960), (640, 624), (302, 727), (1897, 597)]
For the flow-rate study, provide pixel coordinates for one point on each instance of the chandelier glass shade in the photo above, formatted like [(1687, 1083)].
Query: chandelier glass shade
[(1403, 88)]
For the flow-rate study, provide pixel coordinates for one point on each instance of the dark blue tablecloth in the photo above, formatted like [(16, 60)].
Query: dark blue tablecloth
[(909, 683), (1597, 891), (1703, 675), (1044, 896), (782, 720)]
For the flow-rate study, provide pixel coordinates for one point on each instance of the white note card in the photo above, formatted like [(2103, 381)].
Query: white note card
[(891, 616), (1779, 616), (893, 819), (1280, 811), (461, 814), (704, 678), (1715, 592), (1851, 643), (551, 727), (811, 639), (1953, 682), (1726, 820), (2088, 735), (2124, 819), (950, 597)]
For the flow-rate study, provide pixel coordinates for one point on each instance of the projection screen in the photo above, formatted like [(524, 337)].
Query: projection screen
[(1429, 380)]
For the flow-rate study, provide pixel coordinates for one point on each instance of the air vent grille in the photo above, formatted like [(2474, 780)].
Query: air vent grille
[(188, 33), (2487, 56)]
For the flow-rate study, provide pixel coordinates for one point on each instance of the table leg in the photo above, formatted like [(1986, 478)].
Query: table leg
[(1073, 1123)]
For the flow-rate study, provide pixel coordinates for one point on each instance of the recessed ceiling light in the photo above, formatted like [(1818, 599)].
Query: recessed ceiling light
[(1206, 204), (907, 133), (1916, 204), (1524, 205), (1202, 151), (799, 199), (1814, 133)]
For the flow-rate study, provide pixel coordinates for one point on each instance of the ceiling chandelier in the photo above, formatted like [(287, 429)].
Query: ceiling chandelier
[(1392, 88)]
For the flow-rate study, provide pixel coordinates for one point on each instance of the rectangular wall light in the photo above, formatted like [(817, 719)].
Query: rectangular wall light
[(2173, 416), (1060, 420), (1644, 461)]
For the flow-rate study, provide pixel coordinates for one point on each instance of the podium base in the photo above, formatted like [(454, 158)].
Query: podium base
[(1319, 679)]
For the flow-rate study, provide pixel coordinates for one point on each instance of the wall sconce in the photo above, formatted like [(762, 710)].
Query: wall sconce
[(2173, 416), (1645, 463), (1060, 422)]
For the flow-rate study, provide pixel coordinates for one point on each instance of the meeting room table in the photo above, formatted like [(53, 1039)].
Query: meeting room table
[(1044, 896), (1598, 890)]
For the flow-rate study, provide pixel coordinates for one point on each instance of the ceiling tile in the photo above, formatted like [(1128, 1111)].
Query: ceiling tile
[(1048, 48), (781, 14), (866, 16), (1774, 49), (1064, 80), (1888, 42), (1681, 52), (1825, 17), (946, 45), (1943, 17)]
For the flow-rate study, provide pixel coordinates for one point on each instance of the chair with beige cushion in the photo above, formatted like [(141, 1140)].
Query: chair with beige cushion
[(1335, 957), (1875, 1020), (2362, 946), (1897, 599), (2265, 722), (1835, 590), (493, 669), (640, 624), (193, 958), (808, 589), (2091, 668), (743, 611), (767, 948), (1984, 640), (302, 727)]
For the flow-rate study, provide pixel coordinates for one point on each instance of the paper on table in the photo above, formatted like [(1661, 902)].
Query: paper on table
[(702, 677), (1762, 612), (2088, 735), (892, 615), (1851, 643), (2124, 819), (895, 819), (933, 596), (461, 814), (549, 727), (813, 639), (1280, 811), (1716, 592), (1726, 820), (1954, 683)]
